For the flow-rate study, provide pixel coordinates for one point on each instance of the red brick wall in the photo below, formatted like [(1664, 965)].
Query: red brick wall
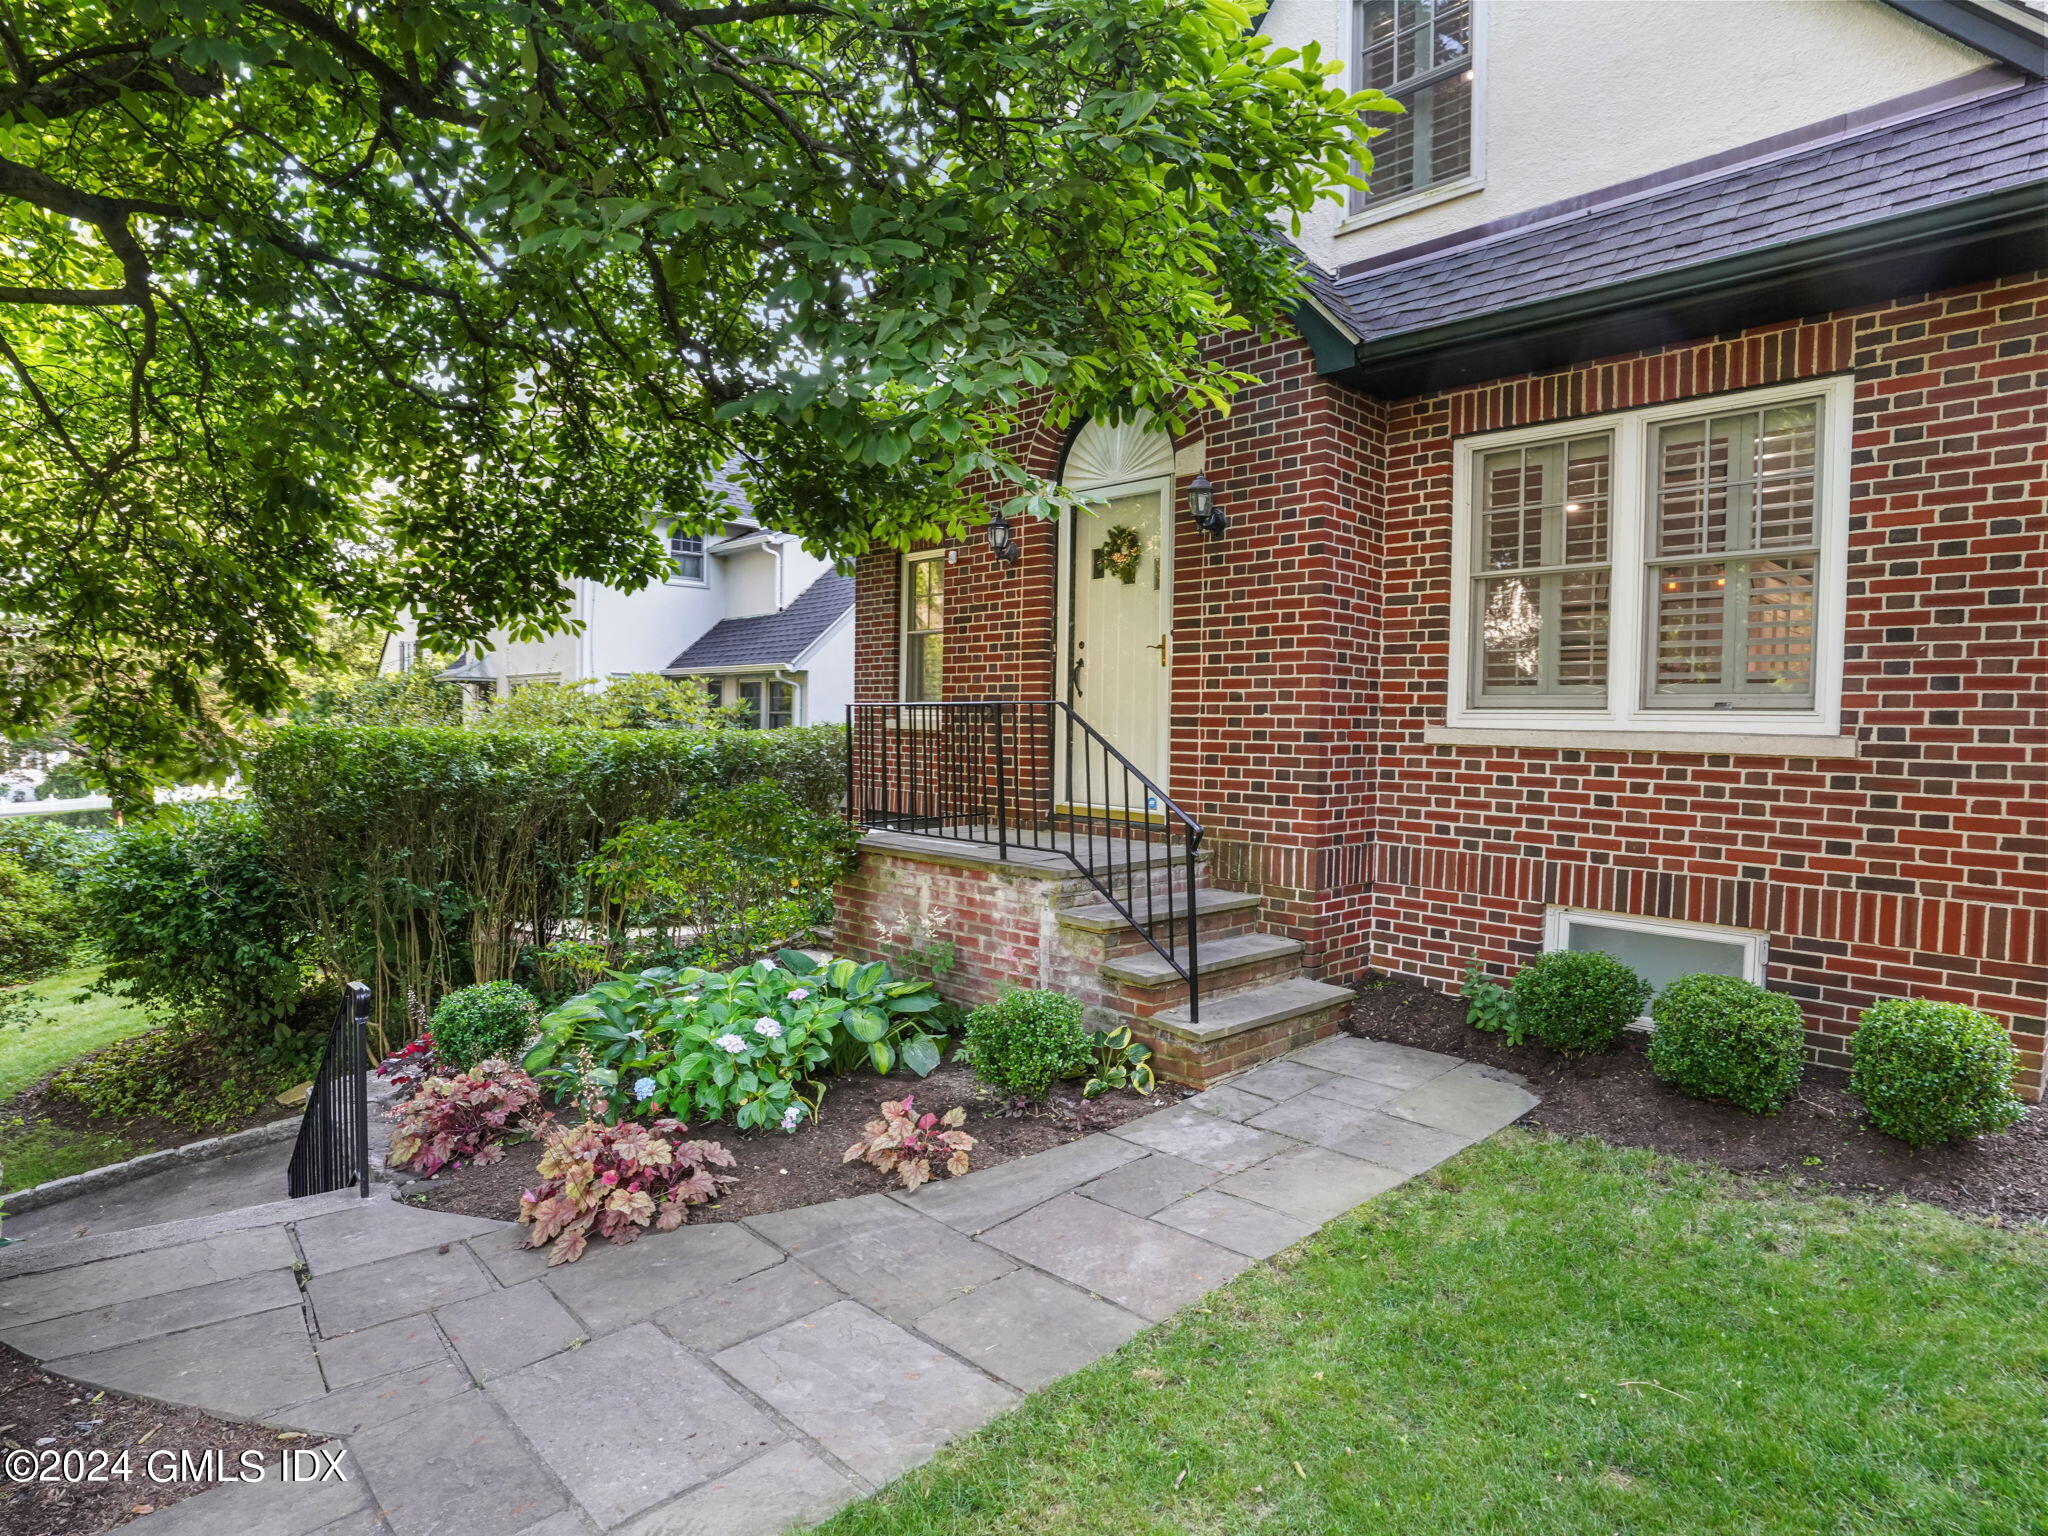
[(1921, 866), (1310, 649)]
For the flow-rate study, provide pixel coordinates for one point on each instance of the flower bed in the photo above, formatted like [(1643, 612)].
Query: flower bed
[(776, 1172)]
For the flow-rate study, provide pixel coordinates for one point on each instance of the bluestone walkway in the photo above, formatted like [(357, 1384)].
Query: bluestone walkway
[(733, 1379)]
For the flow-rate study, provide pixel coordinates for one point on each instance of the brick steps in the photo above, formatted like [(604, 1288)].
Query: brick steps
[(1030, 919), (1101, 917), (1241, 1029)]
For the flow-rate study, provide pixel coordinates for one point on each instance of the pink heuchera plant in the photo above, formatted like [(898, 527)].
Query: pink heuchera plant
[(465, 1116), (615, 1179), (913, 1146)]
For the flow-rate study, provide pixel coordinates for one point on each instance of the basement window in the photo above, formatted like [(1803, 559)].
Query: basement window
[(1657, 950)]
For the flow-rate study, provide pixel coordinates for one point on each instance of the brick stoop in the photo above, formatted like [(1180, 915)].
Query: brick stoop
[(977, 922)]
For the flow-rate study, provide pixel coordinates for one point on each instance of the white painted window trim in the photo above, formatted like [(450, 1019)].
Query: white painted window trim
[(1411, 202), (903, 592), (1629, 510), (675, 577), (1474, 179)]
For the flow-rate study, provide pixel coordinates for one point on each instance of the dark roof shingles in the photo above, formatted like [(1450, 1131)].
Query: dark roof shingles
[(1980, 147), (772, 639)]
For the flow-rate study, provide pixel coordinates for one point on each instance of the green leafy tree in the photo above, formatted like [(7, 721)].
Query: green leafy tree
[(311, 309)]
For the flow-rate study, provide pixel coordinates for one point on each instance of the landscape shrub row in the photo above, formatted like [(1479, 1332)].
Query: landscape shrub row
[(1926, 1072)]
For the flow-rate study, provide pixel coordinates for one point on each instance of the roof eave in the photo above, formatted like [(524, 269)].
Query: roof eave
[(731, 668), (1953, 244), (1992, 27)]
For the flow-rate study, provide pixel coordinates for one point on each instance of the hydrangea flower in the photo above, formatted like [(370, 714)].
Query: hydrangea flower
[(643, 1088), (792, 1117), (768, 1029), (732, 1043), (798, 994)]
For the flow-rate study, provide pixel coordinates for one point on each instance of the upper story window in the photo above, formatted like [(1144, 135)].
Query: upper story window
[(924, 625), (1420, 52), (1677, 568), (686, 550)]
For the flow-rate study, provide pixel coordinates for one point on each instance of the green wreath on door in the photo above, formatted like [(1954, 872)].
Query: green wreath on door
[(1119, 554)]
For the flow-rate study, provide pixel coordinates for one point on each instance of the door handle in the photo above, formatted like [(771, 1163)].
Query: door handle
[(1074, 675), (1160, 648)]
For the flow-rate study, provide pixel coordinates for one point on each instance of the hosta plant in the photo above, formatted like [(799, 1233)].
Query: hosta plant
[(464, 1118), (1120, 1062), (913, 1146), (745, 1045), (613, 1180)]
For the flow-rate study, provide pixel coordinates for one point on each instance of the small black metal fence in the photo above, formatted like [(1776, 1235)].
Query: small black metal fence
[(333, 1149), (1031, 775)]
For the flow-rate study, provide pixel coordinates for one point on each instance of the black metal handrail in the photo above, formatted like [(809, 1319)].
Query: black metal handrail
[(333, 1149), (1030, 774)]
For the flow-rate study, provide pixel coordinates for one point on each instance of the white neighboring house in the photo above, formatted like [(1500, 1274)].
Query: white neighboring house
[(764, 624)]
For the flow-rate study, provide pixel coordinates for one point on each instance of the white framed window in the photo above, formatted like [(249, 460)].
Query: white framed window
[(924, 626), (768, 702), (1676, 569), (686, 556), (1424, 54), (1657, 949)]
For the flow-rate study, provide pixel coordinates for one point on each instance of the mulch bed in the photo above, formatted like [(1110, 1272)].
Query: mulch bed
[(40, 1413), (1818, 1137), (778, 1172)]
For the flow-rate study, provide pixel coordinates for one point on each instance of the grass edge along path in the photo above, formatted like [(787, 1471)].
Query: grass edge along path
[(1550, 1336)]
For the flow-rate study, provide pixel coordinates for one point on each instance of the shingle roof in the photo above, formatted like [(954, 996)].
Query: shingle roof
[(1987, 145), (771, 639), (725, 485)]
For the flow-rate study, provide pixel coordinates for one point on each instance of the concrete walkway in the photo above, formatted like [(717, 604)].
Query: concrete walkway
[(734, 1379)]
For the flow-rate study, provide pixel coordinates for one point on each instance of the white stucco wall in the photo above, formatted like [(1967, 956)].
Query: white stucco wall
[(1578, 95), (828, 675)]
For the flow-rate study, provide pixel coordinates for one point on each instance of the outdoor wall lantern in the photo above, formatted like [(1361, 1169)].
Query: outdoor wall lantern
[(1202, 506), (1002, 539)]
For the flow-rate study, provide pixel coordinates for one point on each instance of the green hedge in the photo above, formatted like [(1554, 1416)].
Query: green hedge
[(424, 858), (196, 924)]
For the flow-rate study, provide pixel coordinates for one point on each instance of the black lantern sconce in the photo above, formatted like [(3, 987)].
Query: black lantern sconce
[(1002, 539), (1202, 507)]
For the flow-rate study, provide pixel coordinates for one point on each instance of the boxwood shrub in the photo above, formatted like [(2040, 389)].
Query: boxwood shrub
[(473, 1024), (1720, 1037), (1026, 1041), (1929, 1072), (1577, 1002)]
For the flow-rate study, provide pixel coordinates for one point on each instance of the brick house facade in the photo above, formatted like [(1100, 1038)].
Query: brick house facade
[(1899, 849)]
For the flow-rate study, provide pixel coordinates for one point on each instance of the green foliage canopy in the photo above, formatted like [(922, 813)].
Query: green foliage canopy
[(317, 309)]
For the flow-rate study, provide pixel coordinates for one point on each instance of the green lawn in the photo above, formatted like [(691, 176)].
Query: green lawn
[(63, 1028), (67, 1029), (1551, 1337)]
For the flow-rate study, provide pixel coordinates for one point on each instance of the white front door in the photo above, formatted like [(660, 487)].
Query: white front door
[(1120, 648)]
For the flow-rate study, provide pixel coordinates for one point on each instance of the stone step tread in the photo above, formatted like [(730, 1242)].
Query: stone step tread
[(1236, 1013), (980, 852), (1149, 969), (1101, 917)]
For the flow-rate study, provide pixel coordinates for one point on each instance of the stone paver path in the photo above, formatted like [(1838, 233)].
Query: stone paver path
[(735, 1379)]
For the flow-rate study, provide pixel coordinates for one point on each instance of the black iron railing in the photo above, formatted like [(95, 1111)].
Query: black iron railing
[(333, 1149), (1022, 775)]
